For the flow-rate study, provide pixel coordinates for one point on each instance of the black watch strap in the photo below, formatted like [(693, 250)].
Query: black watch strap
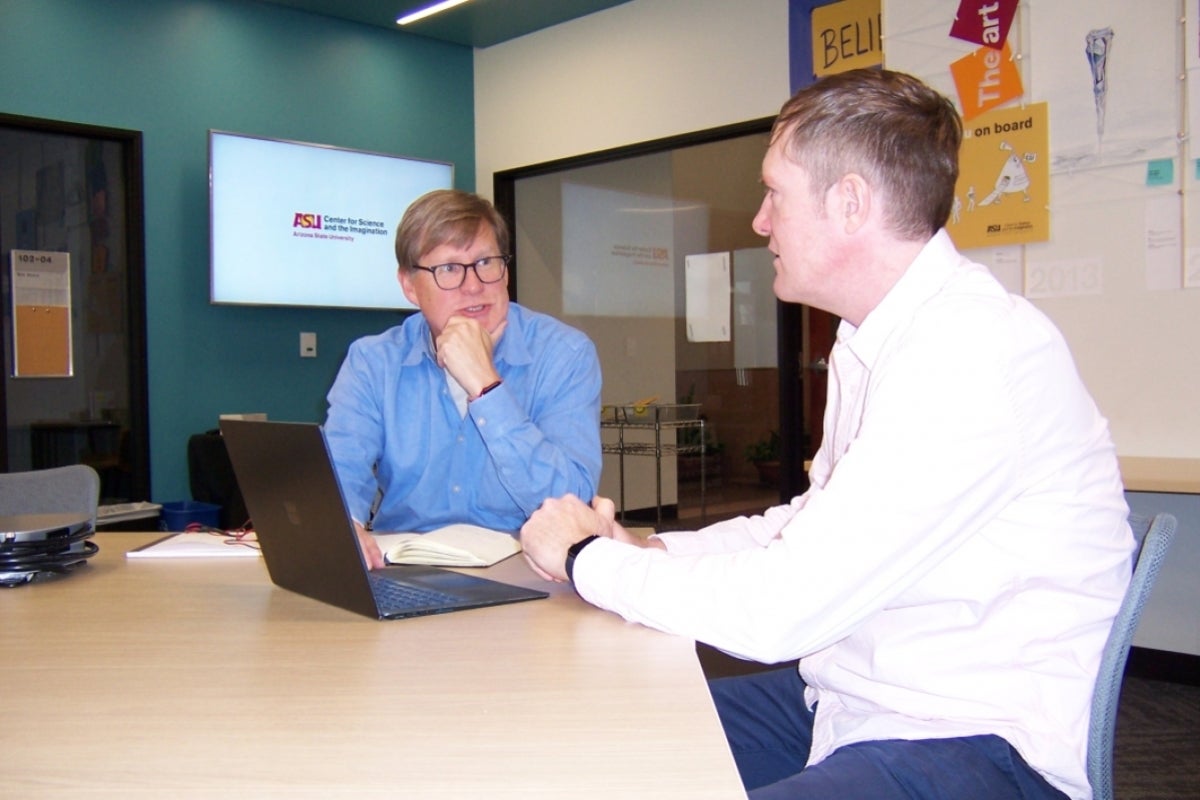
[(573, 551)]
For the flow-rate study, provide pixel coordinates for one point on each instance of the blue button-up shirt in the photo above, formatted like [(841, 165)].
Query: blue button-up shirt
[(393, 425)]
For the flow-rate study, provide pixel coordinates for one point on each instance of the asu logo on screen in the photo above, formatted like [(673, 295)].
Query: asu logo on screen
[(303, 220)]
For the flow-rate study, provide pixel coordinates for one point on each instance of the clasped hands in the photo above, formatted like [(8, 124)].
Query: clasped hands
[(561, 522)]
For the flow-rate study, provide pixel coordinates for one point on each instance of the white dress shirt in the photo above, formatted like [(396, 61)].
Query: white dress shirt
[(956, 564)]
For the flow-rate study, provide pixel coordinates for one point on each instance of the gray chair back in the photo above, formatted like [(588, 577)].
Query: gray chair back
[(1153, 535), (58, 490)]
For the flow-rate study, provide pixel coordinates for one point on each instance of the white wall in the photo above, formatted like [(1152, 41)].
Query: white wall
[(642, 70)]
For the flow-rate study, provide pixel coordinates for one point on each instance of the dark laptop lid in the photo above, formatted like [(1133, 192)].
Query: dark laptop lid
[(294, 500), (308, 539)]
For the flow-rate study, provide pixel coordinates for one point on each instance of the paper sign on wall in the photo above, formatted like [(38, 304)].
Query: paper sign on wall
[(984, 22), (41, 313), (986, 79), (1003, 192), (707, 295), (846, 36)]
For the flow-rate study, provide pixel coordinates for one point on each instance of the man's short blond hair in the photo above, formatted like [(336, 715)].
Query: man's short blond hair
[(445, 216)]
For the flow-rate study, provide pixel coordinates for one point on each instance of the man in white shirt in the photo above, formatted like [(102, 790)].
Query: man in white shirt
[(948, 581)]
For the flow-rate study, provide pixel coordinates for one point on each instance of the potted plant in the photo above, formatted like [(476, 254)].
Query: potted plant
[(764, 455), (688, 441)]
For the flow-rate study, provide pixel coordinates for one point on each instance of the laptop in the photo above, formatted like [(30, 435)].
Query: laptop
[(307, 537)]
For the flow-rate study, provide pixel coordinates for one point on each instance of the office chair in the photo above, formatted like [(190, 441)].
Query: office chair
[(1153, 537), (35, 555), (57, 490)]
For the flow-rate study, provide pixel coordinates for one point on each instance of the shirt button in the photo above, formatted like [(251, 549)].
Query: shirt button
[(481, 421), (456, 489), (460, 440)]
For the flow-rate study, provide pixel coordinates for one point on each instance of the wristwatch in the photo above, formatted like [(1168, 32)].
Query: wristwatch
[(573, 551)]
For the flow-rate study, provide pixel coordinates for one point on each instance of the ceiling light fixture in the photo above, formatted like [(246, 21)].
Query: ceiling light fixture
[(428, 11)]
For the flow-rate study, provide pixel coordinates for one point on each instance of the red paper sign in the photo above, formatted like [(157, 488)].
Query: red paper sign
[(984, 22)]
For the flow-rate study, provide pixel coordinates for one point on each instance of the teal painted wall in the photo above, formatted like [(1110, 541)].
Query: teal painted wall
[(173, 69)]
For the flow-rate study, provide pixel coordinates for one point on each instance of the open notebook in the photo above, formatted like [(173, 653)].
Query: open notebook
[(451, 546)]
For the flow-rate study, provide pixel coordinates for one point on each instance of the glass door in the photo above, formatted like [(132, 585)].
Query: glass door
[(651, 253), (72, 195)]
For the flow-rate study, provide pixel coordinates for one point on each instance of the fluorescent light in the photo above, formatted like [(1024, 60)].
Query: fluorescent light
[(428, 11)]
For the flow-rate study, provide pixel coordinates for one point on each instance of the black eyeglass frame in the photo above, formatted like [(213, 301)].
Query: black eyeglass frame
[(434, 271)]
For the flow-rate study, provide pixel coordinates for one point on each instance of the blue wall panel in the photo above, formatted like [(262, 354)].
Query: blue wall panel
[(174, 69)]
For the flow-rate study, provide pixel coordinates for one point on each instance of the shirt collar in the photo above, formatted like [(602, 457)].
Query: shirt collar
[(925, 276)]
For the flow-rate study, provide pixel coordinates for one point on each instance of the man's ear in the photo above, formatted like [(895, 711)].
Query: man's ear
[(406, 285), (855, 199)]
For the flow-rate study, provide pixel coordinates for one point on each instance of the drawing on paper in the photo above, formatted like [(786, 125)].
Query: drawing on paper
[(1013, 176), (1098, 45)]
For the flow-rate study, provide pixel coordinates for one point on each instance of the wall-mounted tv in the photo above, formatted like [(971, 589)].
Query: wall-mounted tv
[(299, 224)]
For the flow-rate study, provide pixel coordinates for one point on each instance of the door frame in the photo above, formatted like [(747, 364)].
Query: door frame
[(130, 141)]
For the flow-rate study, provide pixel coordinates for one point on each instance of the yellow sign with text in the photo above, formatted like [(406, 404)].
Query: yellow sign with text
[(1003, 192), (846, 36)]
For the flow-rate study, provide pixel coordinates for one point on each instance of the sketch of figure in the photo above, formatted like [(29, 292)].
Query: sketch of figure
[(971, 197), (956, 210), (1099, 43), (1012, 178)]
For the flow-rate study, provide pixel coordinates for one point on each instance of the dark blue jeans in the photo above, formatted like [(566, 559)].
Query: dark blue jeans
[(770, 733)]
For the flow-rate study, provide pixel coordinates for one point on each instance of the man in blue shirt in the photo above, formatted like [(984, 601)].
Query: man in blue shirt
[(475, 409)]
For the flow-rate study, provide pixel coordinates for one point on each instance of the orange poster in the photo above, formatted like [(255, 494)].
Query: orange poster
[(43, 342), (986, 79)]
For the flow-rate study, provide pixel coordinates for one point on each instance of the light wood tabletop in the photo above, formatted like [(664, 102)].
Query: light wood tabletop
[(199, 678), (1174, 475)]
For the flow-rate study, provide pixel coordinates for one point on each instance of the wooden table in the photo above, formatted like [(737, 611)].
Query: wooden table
[(199, 678), (1145, 474)]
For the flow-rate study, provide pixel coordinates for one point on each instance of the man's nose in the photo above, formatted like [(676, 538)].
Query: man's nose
[(760, 223)]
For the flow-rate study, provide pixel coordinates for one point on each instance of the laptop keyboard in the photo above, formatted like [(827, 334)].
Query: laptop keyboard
[(391, 594)]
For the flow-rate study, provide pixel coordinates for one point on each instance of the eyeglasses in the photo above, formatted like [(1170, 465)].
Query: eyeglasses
[(452, 276)]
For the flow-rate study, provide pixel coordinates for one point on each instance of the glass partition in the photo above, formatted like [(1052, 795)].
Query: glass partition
[(653, 256)]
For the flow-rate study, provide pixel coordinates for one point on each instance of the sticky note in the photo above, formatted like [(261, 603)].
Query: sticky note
[(1160, 172)]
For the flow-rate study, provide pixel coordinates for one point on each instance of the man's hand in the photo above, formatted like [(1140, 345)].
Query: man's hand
[(563, 521), (370, 548), (610, 528), (464, 349), (558, 524)]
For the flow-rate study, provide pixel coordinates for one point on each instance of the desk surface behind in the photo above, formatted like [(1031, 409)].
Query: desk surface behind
[(1148, 474), (193, 678)]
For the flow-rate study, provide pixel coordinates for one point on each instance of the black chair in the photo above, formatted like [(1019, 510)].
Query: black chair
[(211, 478)]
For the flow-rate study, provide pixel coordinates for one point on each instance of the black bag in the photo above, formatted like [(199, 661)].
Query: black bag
[(210, 475)]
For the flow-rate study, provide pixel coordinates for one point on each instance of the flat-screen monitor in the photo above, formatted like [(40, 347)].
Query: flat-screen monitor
[(299, 224)]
